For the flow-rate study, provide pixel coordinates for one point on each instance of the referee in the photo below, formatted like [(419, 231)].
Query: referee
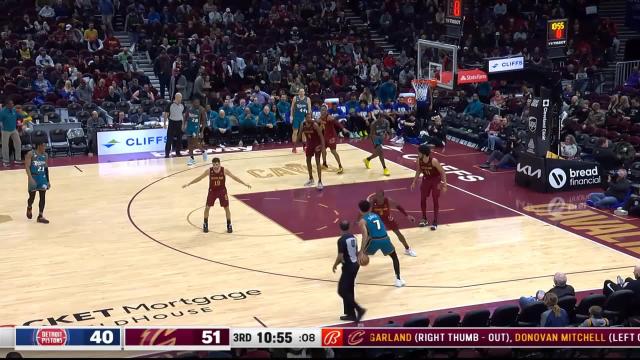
[(174, 112), (348, 256)]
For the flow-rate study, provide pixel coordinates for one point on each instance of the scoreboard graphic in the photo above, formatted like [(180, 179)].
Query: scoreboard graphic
[(203, 338), (557, 33)]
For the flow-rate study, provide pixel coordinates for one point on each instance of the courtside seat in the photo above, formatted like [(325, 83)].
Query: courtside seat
[(40, 136), (504, 316), (447, 320), (582, 309), (568, 303), (77, 141), (531, 313), (417, 322), (476, 318), (59, 143), (618, 305)]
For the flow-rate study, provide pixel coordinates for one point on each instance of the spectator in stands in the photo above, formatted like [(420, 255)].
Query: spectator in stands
[(113, 96), (68, 92), (41, 85), (44, 60), (526, 300), (142, 94), (122, 118), (93, 124), (267, 124), (596, 116), (95, 45), (493, 130), (632, 284), (560, 286), (221, 128), (84, 92), (387, 90), (595, 318), (475, 108), (107, 9), (555, 316), (498, 100), (248, 125), (569, 148), (617, 191), (437, 132), (111, 43), (25, 52), (604, 155), (9, 121), (91, 33)]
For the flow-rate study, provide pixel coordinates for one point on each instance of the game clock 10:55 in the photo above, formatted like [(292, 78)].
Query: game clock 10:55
[(255, 337), (278, 337)]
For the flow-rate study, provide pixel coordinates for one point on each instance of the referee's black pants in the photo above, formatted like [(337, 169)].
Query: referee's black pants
[(174, 138), (346, 289)]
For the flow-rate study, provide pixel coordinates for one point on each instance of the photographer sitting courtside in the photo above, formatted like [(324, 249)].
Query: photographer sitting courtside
[(617, 191)]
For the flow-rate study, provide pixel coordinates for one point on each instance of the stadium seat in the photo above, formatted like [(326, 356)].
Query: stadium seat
[(568, 303), (618, 305), (506, 315), (108, 106), (417, 322), (74, 108), (89, 107), (123, 106), (59, 142), (53, 117), (476, 318), (530, 315), (582, 309), (40, 136), (447, 320), (47, 108), (77, 141)]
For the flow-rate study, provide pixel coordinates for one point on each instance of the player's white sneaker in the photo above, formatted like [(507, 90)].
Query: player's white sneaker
[(309, 182), (400, 141), (320, 186), (205, 156), (410, 252), (399, 283)]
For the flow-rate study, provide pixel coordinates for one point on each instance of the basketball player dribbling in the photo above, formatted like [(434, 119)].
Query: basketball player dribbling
[(382, 205), (378, 130), (315, 144), (434, 180), (217, 191), (375, 237), (300, 108), (38, 176), (328, 125), (193, 126)]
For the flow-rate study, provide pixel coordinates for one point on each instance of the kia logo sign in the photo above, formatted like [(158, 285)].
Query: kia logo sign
[(527, 170), (506, 64)]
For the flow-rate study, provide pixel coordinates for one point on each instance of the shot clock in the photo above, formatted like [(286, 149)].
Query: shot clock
[(454, 18), (557, 33)]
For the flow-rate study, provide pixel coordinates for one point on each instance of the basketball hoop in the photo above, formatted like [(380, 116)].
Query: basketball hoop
[(422, 86)]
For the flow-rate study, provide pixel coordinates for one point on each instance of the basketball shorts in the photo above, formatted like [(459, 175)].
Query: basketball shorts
[(429, 186), (218, 195), (390, 224), (330, 143), (297, 122), (377, 140), (41, 184), (312, 149), (383, 245)]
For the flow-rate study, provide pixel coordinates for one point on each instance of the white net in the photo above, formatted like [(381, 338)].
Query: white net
[(421, 86)]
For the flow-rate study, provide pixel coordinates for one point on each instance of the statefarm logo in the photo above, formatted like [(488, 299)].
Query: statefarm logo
[(111, 143), (474, 77)]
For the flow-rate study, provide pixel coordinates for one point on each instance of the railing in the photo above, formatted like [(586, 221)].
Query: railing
[(623, 69)]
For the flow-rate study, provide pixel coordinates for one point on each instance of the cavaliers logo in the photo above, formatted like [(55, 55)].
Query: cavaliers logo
[(356, 338), (158, 337), (533, 124)]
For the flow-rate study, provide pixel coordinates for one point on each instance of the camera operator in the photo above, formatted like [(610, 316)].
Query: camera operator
[(617, 190), (632, 206), (437, 132), (507, 156)]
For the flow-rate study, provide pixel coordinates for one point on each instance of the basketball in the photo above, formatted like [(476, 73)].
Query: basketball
[(363, 259)]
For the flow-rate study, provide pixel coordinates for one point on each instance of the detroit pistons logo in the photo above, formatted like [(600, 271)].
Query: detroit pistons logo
[(51, 337)]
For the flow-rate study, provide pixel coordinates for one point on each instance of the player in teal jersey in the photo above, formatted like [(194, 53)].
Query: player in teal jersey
[(379, 129), (300, 107), (375, 237), (38, 175), (193, 125)]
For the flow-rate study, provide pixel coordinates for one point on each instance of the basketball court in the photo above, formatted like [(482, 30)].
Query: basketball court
[(125, 246)]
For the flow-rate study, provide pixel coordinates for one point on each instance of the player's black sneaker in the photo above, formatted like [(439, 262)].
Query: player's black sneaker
[(229, 229), (29, 213), (434, 226), (348, 318), (42, 220), (205, 227), (361, 314)]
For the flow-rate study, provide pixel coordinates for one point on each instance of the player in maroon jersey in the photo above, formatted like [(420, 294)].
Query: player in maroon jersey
[(217, 190), (328, 124), (382, 205), (434, 180), (315, 144)]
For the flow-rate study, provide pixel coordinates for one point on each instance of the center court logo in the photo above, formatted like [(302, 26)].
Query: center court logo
[(557, 178), (111, 143)]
